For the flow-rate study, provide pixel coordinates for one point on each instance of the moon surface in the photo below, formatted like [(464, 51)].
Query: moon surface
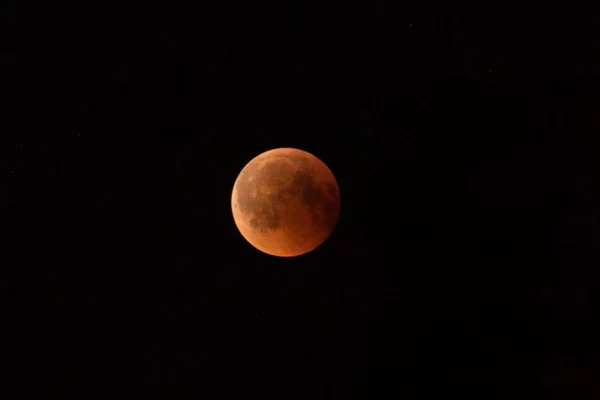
[(285, 202)]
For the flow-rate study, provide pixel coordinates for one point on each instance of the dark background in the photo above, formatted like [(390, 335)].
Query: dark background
[(466, 146)]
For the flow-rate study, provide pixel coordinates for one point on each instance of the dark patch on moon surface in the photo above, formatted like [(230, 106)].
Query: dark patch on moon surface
[(332, 190), (320, 206)]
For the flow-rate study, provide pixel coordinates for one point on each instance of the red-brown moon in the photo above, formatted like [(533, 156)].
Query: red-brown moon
[(285, 202)]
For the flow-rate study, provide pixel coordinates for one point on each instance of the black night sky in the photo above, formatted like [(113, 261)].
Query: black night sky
[(466, 146)]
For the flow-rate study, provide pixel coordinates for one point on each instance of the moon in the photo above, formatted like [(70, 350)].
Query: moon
[(285, 202)]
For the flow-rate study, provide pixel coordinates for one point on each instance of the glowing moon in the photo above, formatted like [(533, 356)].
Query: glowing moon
[(285, 202)]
